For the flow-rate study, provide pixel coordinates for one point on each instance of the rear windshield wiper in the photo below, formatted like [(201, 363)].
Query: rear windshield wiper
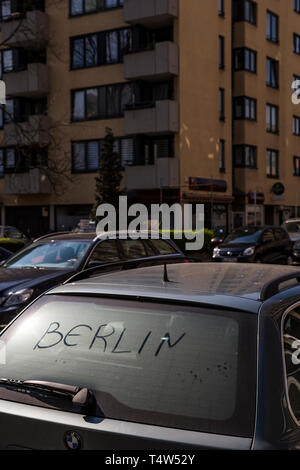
[(79, 396)]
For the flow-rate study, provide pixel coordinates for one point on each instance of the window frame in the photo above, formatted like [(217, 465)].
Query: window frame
[(101, 53), (272, 69), (254, 156), (243, 104), (97, 10), (252, 57), (270, 16), (270, 153), (100, 114), (296, 125), (296, 168), (276, 127)]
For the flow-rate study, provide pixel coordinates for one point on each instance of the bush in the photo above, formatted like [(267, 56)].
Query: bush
[(180, 242)]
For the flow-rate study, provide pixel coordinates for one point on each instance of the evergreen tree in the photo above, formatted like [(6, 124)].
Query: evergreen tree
[(109, 176)]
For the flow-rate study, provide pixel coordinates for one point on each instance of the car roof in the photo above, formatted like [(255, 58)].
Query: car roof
[(228, 285), (257, 228), (88, 235)]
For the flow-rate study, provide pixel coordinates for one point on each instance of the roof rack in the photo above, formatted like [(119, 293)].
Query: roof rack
[(52, 234), (123, 265), (272, 287)]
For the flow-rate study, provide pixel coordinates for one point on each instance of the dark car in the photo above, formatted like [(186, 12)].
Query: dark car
[(12, 239), (269, 244), (293, 228), (296, 252), (51, 259), (181, 356)]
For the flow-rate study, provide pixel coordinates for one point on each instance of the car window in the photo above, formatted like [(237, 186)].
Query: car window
[(59, 255), (11, 232), (105, 252), (292, 227), (132, 249), (268, 236), (291, 344), (167, 365), (163, 247), (248, 235), (280, 234)]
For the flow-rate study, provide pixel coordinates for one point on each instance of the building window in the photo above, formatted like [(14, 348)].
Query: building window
[(296, 166), (221, 10), (297, 6), (86, 155), (140, 150), (244, 108), (272, 163), (221, 104), (84, 7), (245, 10), (100, 48), (272, 73), (8, 160), (245, 156), (296, 125), (296, 43), (272, 118), (101, 102), (244, 59), (222, 165), (221, 52), (272, 27)]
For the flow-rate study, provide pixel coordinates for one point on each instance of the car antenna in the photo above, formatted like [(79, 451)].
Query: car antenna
[(166, 279)]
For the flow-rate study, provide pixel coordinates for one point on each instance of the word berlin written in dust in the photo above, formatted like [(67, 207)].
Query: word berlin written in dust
[(104, 333)]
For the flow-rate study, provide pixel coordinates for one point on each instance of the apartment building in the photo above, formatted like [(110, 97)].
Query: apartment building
[(196, 92)]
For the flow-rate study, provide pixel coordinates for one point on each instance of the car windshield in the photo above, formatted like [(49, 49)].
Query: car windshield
[(177, 366), (247, 235), (58, 255), (292, 227)]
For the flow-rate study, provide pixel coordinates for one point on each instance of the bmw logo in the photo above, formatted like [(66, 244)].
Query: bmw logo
[(73, 440)]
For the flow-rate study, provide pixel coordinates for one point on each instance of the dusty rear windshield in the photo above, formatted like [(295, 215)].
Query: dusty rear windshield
[(170, 365)]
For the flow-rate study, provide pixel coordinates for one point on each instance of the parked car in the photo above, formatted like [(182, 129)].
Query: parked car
[(12, 239), (269, 244), (293, 228), (181, 356), (4, 254), (53, 258)]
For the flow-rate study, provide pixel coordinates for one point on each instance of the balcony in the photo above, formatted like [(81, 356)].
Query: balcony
[(158, 64), (31, 32), (151, 13), (159, 117), (33, 182), (164, 173), (32, 82), (35, 131)]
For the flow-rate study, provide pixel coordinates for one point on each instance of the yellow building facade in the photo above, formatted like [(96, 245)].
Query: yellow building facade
[(197, 93)]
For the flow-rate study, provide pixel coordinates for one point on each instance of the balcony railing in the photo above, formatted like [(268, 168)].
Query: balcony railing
[(164, 173), (30, 31), (159, 63), (35, 131), (155, 118), (150, 12), (35, 181), (32, 82)]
